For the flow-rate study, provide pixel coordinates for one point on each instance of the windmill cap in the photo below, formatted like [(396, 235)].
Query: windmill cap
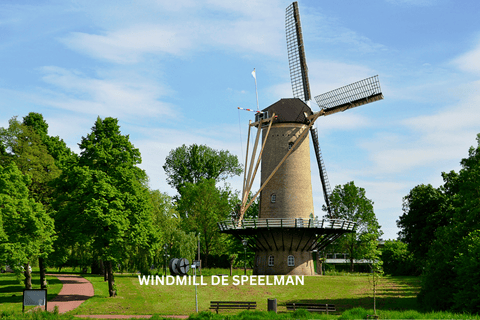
[(291, 110)]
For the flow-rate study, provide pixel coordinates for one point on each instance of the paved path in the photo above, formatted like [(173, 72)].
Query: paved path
[(75, 291)]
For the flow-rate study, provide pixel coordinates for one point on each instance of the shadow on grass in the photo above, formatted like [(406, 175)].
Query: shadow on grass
[(398, 294), (342, 305), (15, 290)]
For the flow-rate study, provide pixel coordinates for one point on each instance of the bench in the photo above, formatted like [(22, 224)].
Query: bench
[(312, 307), (232, 305)]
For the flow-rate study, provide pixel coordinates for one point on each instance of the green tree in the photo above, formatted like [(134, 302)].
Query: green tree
[(56, 147), (424, 211), (373, 254), (196, 162), (398, 260), (104, 202), (467, 267), (26, 149), (202, 206), (180, 244), (26, 230), (349, 202), (448, 263)]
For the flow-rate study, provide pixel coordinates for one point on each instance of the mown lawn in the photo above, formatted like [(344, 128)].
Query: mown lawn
[(11, 290), (345, 292)]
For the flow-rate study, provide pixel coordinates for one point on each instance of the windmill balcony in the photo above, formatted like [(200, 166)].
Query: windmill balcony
[(245, 224)]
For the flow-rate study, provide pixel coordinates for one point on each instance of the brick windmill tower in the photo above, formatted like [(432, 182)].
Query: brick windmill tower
[(285, 235)]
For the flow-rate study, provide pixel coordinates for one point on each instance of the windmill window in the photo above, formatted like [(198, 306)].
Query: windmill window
[(270, 261), (291, 261), (273, 198)]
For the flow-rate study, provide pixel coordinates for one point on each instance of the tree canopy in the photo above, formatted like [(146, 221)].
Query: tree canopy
[(104, 201), (349, 202), (446, 219), (190, 164), (26, 230)]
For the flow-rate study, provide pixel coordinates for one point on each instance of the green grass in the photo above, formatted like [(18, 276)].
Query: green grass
[(345, 292), (351, 294), (11, 290)]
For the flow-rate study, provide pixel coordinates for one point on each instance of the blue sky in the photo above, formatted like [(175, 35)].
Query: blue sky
[(174, 72)]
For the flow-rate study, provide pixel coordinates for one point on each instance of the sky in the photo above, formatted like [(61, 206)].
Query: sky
[(174, 73)]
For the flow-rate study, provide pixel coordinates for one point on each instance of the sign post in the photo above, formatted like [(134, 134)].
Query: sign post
[(34, 297)]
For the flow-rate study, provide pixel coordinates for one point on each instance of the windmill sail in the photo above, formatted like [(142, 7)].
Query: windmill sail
[(350, 96), (296, 54), (300, 84), (327, 190)]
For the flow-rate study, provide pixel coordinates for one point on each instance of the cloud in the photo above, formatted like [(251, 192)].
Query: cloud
[(128, 45), (255, 26), (469, 61), (104, 97)]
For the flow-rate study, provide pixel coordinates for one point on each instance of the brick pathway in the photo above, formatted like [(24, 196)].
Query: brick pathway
[(75, 291)]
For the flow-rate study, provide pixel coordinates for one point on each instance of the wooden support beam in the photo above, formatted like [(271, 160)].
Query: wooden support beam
[(260, 155), (299, 140)]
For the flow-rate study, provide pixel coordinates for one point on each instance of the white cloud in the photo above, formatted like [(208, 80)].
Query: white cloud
[(104, 97), (128, 45), (248, 27), (469, 61)]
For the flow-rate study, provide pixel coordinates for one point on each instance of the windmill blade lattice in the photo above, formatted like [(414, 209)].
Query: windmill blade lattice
[(296, 54), (350, 96), (327, 190)]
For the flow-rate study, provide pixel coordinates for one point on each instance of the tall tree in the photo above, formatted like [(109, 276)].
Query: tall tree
[(443, 283), (26, 230), (165, 218), (202, 206), (349, 202), (56, 147), (105, 202), (193, 163), (424, 211), (26, 149)]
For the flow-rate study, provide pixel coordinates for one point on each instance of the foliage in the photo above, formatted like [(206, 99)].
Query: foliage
[(201, 206), (449, 269), (25, 148), (56, 147), (103, 203), (397, 259), (26, 230), (349, 202), (361, 313), (180, 244), (424, 211), (467, 267), (197, 162)]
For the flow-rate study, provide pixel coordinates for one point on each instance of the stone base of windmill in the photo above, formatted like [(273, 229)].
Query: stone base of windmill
[(284, 263)]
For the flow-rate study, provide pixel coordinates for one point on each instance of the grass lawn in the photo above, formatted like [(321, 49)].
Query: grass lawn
[(11, 290), (345, 292)]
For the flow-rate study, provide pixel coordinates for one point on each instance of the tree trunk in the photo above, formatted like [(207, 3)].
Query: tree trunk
[(111, 281), (43, 279), (97, 267), (28, 276), (104, 269)]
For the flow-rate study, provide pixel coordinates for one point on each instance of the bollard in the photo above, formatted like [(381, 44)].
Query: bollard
[(272, 305)]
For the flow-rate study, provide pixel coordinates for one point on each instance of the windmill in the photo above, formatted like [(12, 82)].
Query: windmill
[(286, 234)]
